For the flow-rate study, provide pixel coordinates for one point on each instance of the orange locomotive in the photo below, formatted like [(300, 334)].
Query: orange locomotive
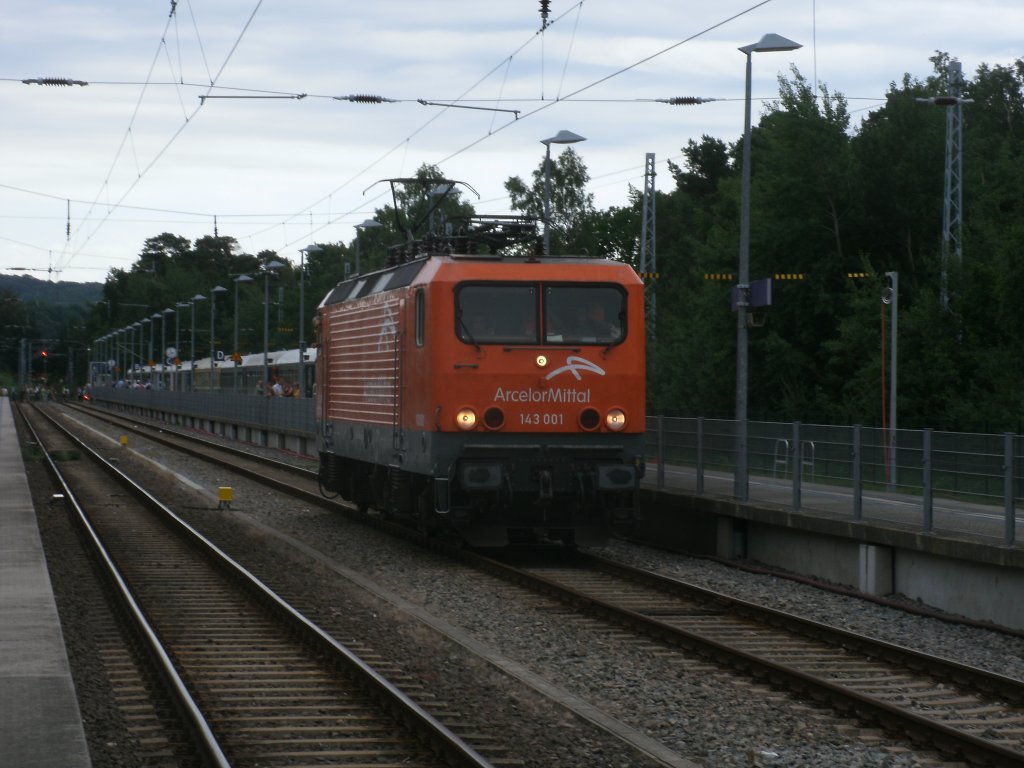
[(499, 396)]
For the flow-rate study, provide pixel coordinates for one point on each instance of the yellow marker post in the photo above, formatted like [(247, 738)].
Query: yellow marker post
[(123, 440), (225, 494)]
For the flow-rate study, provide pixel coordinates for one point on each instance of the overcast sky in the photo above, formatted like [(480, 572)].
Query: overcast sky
[(137, 152)]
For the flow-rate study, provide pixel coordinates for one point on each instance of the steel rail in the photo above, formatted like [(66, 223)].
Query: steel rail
[(441, 739), (193, 716)]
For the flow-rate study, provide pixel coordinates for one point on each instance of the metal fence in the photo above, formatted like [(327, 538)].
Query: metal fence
[(927, 480), (950, 481)]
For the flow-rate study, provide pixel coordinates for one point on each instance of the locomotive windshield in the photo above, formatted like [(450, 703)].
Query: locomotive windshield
[(497, 313), (570, 313), (584, 314)]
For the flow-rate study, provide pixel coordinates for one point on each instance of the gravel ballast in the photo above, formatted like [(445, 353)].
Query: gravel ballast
[(707, 715)]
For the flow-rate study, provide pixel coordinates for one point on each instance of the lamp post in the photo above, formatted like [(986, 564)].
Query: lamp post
[(768, 43), (163, 341), (152, 342), (142, 340), (891, 297), (311, 248), (122, 352), (368, 224), (269, 267), (562, 137), (177, 340), (234, 351), (213, 324), (136, 329), (192, 345)]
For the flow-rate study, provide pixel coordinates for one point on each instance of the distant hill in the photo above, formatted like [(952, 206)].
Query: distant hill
[(32, 289)]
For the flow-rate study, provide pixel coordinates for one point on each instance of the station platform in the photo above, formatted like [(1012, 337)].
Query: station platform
[(967, 561), (40, 723)]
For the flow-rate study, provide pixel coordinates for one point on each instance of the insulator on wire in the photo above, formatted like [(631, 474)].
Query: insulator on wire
[(364, 98), (53, 81), (545, 8), (685, 100)]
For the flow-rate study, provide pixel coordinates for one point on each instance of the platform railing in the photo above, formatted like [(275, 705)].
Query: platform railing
[(953, 481), (926, 479)]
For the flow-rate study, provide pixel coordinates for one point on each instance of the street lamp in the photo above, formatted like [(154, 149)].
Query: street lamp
[(122, 352), (152, 332), (769, 43), (177, 340), (311, 248), (239, 279), (163, 343), (142, 340), (192, 345), (368, 224), (136, 329), (269, 267), (562, 137), (891, 297), (213, 322)]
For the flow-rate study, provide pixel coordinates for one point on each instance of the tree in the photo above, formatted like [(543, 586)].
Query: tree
[(571, 205)]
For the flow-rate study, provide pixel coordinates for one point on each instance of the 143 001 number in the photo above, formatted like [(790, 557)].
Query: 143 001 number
[(537, 419)]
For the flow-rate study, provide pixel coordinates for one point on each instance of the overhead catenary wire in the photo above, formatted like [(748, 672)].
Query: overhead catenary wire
[(214, 88)]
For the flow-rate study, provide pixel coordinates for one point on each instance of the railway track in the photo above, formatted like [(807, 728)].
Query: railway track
[(258, 683), (963, 712)]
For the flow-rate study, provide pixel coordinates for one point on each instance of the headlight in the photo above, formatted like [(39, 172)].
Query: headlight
[(466, 419), (615, 420)]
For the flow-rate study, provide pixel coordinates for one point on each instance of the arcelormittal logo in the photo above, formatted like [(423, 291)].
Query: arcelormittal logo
[(574, 364)]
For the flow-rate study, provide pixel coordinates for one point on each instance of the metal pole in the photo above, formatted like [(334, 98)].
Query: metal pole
[(163, 339), (149, 356), (926, 480), (213, 325), (179, 305), (266, 328), (858, 490), (700, 455), (1009, 505), (661, 452), (192, 351), (311, 248), (302, 320), (547, 198), (894, 278), (234, 345), (740, 479), (798, 468)]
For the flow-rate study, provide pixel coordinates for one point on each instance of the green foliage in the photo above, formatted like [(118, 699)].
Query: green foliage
[(827, 201), (572, 207)]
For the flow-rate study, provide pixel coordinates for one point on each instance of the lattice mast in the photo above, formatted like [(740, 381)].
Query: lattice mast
[(648, 257)]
